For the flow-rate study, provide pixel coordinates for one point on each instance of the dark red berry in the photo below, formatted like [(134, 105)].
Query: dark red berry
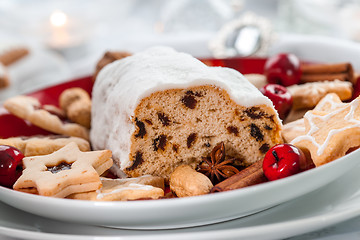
[(280, 97), (282, 160), (283, 69), (10, 165)]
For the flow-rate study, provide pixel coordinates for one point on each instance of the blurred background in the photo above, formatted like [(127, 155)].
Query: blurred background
[(66, 38)]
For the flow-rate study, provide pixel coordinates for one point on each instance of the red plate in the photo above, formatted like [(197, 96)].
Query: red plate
[(12, 126)]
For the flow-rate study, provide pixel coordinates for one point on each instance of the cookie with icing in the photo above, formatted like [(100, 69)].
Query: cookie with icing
[(144, 187), (296, 128), (306, 96), (293, 129), (332, 129)]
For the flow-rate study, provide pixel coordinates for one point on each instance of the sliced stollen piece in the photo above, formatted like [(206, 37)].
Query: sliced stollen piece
[(160, 109)]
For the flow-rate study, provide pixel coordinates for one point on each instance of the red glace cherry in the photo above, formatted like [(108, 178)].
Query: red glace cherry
[(283, 69), (282, 160), (280, 97), (10, 165)]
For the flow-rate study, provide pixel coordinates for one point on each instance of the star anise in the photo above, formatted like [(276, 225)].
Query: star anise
[(215, 166)]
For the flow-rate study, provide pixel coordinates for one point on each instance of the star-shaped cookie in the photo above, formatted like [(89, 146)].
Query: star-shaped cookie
[(331, 130), (64, 172), (296, 128), (149, 187)]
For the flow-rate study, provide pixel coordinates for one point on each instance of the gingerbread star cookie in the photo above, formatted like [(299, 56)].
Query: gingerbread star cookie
[(144, 187), (306, 96), (331, 130), (293, 129), (43, 145), (296, 128), (29, 108), (330, 102), (64, 172)]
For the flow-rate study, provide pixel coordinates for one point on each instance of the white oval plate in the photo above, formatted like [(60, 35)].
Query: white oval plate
[(332, 204), (196, 211), (182, 212)]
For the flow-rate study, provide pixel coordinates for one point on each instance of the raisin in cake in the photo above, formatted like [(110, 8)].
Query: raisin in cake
[(160, 109)]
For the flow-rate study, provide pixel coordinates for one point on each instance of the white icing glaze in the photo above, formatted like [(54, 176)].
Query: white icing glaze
[(125, 180), (131, 186), (349, 118), (121, 85), (328, 100)]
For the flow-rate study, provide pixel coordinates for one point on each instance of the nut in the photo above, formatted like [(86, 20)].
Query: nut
[(109, 57), (186, 182), (76, 104)]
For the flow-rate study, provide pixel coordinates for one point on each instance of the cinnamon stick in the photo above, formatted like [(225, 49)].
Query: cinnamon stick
[(249, 176), (327, 72)]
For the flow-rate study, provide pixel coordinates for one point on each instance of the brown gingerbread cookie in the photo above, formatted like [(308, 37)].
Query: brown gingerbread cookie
[(29, 108), (43, 145), (331, 130), (295, 128), (306, 96)]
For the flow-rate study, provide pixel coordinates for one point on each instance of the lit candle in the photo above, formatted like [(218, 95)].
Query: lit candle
[(60, 37), (66, 35)]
